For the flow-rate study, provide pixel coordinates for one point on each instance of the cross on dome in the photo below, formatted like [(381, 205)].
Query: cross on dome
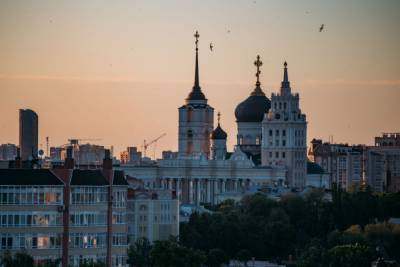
[(258, 63)]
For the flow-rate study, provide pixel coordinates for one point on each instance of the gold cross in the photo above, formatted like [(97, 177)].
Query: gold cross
[(197, 35), (258, 64)]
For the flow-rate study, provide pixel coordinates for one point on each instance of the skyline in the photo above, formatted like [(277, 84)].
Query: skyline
[(348, 83)]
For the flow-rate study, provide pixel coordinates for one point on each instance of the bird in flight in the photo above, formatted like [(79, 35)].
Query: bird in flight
[(321, 28), (211, 46), (228, 31)]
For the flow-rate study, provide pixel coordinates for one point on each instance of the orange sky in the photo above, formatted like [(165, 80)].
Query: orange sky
[(119, 71)]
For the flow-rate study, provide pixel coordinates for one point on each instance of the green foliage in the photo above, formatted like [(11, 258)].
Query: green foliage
[(349, 256), (20, 259), (139, 253), (243, 256), (49, 263), (216, 257), (91, 263), (170, 254), (272, 230)]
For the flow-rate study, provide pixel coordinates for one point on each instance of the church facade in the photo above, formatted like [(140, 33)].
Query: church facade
[(203, 169)]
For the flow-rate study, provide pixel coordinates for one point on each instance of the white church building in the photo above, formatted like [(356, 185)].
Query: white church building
[(270, 150)]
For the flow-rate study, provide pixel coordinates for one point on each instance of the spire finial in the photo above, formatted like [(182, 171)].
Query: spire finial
[(219, 117), (285, 82), (258, 64), (197, 35)]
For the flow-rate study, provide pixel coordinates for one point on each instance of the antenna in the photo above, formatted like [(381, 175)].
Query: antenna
[(47, 146)]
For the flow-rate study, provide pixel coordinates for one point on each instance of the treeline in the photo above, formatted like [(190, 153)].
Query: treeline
[(285, 231)]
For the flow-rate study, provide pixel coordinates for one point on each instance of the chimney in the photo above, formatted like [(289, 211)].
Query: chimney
[(69, 160), (18, 162), (107, 161)]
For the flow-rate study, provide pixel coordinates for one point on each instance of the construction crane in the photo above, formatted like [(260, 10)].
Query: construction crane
[(146, 145)]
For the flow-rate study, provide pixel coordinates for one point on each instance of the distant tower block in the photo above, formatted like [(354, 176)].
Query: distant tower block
[(28, 133), (196, 119)]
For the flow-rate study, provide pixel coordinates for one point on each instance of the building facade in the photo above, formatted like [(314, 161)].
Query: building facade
[(382, 161), (284, 129), (8, 151), (344, 163), (152, 214), (66, 213)]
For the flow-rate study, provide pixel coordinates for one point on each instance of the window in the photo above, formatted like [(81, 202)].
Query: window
[(283, 142), (283, 132), (276, 142), (284, 105), (270, 132), (283, 155), (277, 154), (190, 134), (277, 132), (270, 154)]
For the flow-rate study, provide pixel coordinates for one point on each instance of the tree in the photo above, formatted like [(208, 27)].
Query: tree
[(216, 257), (313, 256), (169, 253), (244, 256), (139, 253), (91, 263), (349, 256), (49, 263), (20, 259)]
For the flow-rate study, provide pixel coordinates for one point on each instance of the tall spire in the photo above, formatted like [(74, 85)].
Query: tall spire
[(196, 72), (196, 94), (285, 83), (257, 91), (219, 118)]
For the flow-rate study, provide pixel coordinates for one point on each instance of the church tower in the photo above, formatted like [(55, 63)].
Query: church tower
[(285, 135), (218, 142), (196, 120)]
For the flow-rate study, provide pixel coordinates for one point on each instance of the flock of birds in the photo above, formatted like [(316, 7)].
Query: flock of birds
[(321, 28)]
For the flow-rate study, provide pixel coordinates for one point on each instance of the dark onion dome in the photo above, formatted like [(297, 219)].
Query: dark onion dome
[(218, 133), (253, 108)]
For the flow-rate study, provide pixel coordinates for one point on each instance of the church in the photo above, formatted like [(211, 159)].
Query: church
[(270, 150)]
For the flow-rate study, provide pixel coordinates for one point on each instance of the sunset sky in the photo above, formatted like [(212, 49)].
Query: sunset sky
[(118, 70)]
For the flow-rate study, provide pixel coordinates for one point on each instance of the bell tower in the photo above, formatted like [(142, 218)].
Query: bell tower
[(196, 119)]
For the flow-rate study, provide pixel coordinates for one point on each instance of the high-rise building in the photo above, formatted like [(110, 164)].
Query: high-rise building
[(284, 131), (8, 151), (343, 163), (28, 134), (383, 163)]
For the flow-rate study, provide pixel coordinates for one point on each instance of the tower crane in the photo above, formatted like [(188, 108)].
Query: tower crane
[(146, 145)]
